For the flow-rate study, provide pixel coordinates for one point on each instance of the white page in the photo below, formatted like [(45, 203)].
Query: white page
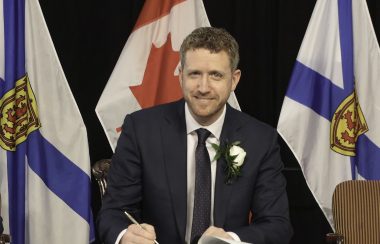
[(218, 240)]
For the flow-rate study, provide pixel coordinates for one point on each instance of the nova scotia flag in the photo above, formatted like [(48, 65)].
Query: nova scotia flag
[(331, 112), (44, 160)]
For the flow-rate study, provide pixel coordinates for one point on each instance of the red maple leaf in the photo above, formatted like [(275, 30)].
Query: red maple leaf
[(154, 10), (159, 84)]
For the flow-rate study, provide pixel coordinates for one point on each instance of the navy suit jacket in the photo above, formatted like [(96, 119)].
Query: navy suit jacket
[(1, 225), (147, 178)]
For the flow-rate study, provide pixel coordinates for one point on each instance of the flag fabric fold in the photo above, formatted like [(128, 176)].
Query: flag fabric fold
[(44, 161), (146, 73), (331, 110)]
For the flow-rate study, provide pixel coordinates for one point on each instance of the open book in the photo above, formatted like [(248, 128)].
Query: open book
[(217, 240)]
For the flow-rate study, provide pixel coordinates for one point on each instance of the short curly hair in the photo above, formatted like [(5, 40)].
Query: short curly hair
[(214, 40)]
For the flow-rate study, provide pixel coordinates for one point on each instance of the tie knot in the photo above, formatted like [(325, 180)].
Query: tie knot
[(203, 134)]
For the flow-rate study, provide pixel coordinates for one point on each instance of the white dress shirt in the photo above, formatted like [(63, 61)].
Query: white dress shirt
[(192, 140)]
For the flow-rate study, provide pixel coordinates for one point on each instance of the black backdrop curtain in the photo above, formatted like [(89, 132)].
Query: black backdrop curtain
[(89, 37)]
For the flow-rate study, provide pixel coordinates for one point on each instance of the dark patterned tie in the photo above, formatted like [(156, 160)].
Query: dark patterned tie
[(202, 194)]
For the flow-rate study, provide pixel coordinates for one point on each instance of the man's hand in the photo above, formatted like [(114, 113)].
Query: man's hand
[(219, 232), (137, 235)]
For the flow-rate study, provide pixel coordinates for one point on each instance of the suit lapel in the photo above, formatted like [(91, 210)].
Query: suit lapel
[(222, 190), (174, 140)]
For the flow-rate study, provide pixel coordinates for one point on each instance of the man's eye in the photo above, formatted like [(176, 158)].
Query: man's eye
[(194, 74), (216, 75)]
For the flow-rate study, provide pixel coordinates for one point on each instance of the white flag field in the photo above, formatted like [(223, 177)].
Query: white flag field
[(146, 73), (44, 158), (331, 112)]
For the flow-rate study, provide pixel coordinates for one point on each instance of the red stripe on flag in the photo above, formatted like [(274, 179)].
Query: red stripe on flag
[(154, 10)]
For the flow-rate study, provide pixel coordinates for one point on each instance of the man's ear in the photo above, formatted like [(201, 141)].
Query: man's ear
[(180, 73), (235, 79)]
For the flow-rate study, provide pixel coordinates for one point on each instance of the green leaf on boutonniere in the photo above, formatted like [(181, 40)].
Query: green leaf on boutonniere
[(235, 143), (218, 151)]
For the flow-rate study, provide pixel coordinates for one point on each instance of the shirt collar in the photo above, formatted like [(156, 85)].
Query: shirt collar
[(215, 128)]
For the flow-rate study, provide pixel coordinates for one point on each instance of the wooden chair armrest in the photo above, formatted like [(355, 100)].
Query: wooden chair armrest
[(334, 238), (4, 238), (100, 171)]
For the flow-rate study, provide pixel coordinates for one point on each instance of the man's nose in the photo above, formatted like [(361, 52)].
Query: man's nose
[(204, 85)]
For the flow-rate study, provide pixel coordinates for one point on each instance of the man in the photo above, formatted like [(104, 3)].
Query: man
[(157, 166)]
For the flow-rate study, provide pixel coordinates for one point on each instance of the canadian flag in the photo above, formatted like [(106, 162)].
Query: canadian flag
[(146, 73)]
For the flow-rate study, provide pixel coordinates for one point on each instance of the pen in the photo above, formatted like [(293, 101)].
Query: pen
[(135, 222)]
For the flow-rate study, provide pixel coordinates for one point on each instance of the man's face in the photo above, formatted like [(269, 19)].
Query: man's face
[(207, 81)]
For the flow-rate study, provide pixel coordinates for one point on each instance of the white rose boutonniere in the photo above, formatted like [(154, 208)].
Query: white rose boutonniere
[(239, 154), (234, 156)]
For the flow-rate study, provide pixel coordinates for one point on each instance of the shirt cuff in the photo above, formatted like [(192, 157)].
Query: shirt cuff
[(121, 235), (234, 236)]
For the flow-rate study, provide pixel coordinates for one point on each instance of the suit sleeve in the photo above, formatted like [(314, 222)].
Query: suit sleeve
[(271, 223), (123, 186), (1, 226)]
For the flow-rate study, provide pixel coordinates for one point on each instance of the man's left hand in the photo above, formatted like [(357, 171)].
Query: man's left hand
[(219, 232)]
